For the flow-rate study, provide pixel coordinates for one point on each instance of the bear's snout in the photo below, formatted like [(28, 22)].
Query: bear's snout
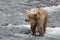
[(26, 20)]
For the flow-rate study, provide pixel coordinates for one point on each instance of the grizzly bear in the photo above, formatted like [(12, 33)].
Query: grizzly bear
[(38, 18)]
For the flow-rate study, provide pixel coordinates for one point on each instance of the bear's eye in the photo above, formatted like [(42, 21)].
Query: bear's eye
[(29, 17)]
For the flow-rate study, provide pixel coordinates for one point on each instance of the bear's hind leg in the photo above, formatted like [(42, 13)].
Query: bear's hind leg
[(45, 23), (41, 28), (41, 31)]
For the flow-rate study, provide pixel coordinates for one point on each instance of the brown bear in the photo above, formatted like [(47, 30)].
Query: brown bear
[(38, 18)]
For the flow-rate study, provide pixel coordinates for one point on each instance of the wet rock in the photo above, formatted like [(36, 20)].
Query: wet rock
[(53, 26), (0, 37), (27, 32), (5, 24)]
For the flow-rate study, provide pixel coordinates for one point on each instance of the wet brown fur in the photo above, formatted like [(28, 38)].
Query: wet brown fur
[(38, 18)]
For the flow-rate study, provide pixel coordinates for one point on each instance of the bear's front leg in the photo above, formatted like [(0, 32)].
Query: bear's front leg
[(33, 27)]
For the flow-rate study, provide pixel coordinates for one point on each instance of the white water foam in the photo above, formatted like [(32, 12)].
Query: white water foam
[(50, 9), (50, 32)]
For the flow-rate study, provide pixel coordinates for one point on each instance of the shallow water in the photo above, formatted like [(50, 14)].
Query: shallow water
[(23, 32), (13, 14)]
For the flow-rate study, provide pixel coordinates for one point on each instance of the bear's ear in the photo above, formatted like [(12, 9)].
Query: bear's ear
[(27, 10)]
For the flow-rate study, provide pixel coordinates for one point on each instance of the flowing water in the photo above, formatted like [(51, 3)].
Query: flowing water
[(14, 12)]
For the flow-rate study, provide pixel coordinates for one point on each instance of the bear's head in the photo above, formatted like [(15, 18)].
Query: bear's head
[(32, 16)]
